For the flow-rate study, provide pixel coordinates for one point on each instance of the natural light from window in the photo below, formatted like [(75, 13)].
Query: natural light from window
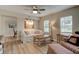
[(66, 25), (46, 26)]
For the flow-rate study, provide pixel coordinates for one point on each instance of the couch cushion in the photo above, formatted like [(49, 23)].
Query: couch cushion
[(73, 40), (70, 47), (58, 49)]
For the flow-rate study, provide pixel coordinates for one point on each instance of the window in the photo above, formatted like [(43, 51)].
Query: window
[(46, 26), (66, 24)]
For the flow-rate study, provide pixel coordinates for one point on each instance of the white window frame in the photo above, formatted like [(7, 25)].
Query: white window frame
[(63, 31), (46, 31)]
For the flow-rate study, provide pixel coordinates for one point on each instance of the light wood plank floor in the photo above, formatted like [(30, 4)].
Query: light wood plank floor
[(13, 46)]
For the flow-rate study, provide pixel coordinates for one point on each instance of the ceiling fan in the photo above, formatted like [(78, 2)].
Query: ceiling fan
[(36, 10)]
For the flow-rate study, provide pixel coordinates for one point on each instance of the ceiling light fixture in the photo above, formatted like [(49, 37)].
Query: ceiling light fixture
[(35, 12)]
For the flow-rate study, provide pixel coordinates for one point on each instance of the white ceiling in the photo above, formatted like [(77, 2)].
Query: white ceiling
[(49, 9)]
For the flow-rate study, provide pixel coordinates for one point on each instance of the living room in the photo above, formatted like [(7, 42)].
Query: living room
[(42, 32)]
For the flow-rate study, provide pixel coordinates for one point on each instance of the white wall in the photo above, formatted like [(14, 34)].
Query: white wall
[(74, 12), (12, 14), (9, 17), (0, 26), (4, 30), (55, 20), (5, 21)]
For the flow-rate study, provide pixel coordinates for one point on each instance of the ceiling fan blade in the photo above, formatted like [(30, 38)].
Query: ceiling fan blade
[(41, 9), (35, 9)]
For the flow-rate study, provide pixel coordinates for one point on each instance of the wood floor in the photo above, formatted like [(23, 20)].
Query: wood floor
[(13, 46)]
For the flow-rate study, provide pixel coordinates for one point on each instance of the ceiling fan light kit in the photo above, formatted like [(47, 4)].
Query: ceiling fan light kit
[(35, 12)]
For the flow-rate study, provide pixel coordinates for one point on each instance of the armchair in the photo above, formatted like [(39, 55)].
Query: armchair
[(74, 39)]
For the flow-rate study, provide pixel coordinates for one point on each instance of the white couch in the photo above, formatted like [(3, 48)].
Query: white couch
[(27, 35)]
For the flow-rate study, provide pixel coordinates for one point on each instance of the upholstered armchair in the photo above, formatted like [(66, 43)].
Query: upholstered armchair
[(26, 37)]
